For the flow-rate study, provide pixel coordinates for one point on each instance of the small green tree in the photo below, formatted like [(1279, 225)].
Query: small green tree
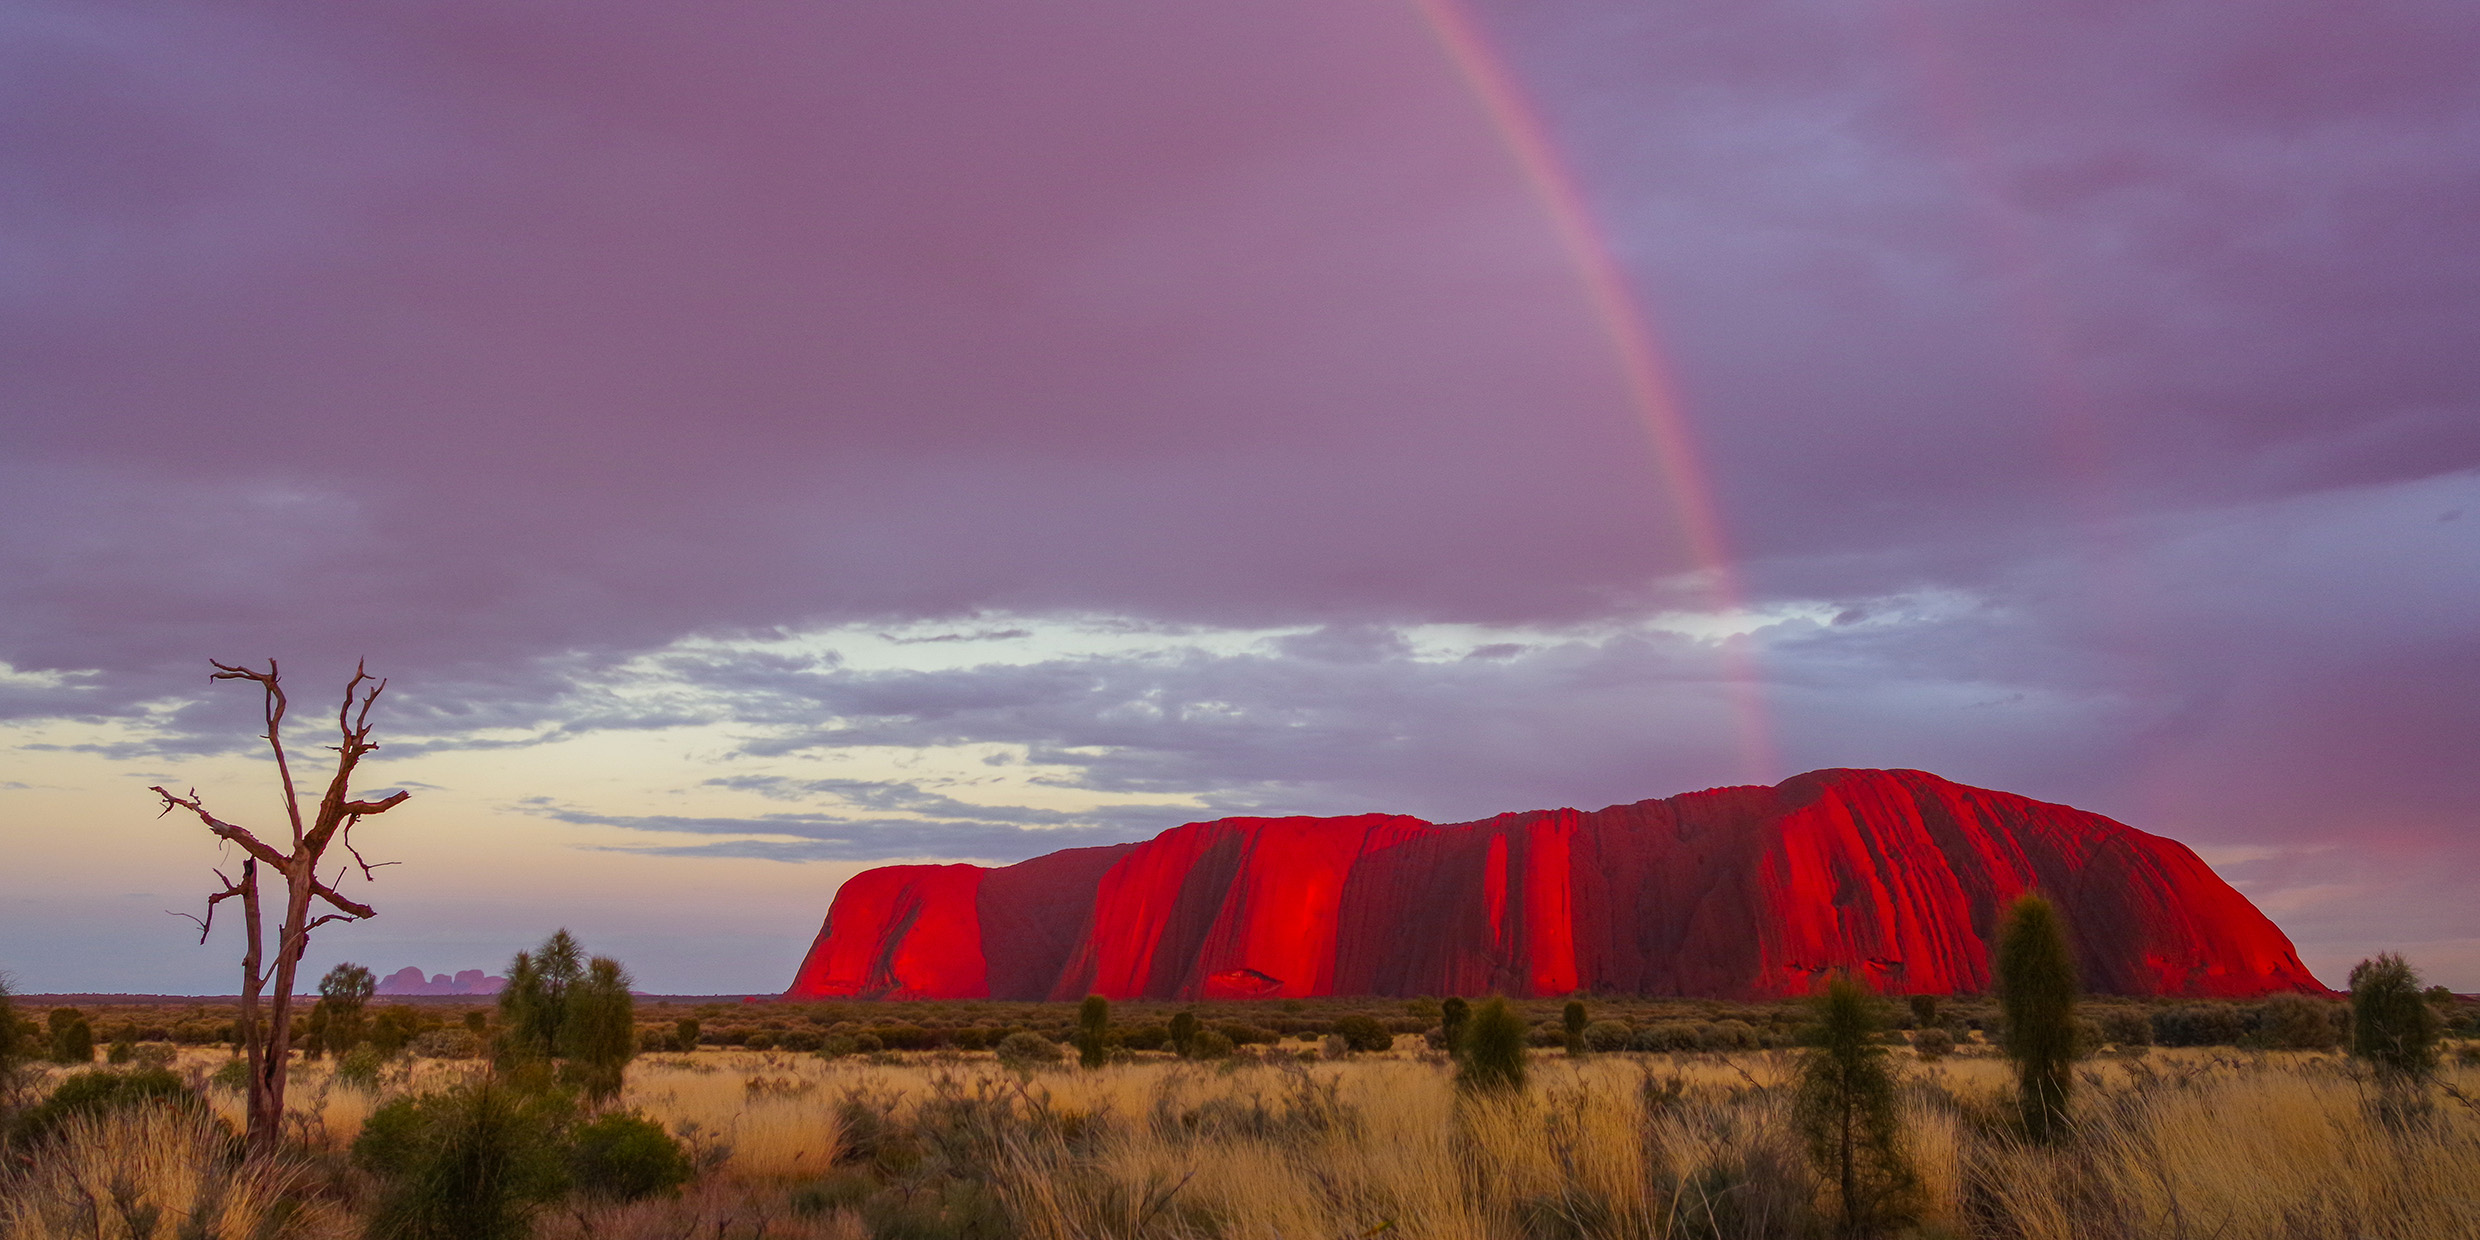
[(685, 1033), (73, 1040), (1846, 1111), (535, 1000), (2037, 988), (1453, 1015), (336, 1019), (1184, 1033), (1493, 1040), (1572, 1020), (1093, 1027), (598, 1032), (562, 1009), (2393, 1028)]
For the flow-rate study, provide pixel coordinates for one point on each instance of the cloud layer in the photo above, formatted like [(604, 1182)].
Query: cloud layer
[(1202, 406)]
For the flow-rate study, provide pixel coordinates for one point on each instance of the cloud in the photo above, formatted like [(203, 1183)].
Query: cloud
[(1142, 393)]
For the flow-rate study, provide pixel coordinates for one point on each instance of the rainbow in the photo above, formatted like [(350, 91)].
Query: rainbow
[(1650, 391)]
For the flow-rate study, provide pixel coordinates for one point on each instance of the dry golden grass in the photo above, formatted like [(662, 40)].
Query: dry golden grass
[(2174, 1144), (158, 1174)]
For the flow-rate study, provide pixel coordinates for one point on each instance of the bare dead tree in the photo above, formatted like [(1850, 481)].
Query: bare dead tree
[(309, 901)]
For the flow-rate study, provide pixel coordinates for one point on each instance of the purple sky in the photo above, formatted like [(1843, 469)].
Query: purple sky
[(761, 440)]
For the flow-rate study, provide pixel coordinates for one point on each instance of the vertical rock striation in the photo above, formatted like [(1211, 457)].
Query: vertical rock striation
[(1729, 893)]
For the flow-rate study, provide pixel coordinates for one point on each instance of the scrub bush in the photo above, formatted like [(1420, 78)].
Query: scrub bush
[(625, 1157), (1493, 1058)]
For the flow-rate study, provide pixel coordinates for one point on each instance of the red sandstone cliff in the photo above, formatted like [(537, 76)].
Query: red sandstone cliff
[(1732, 892)]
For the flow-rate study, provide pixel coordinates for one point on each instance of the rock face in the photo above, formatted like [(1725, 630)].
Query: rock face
[(1741, 893)]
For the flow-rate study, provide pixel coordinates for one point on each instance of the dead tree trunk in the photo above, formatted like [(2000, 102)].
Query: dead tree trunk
[(267, 1044)]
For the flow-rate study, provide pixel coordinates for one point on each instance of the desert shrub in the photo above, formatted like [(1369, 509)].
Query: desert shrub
[(1727, 1035), (1545, 1035), (359, 1067), (474, 1163), (838, 1045), (120, 1052), (656, 1041), (1146, 1038), (394, 1027), (458, 1043), (801, 1041), (1363, 1033), (2297, 1022), (13, 1040), (1924, 1010), (233, 1074), (2199, 1024), (2037, 988), (1242, 1034), (1093, 1028), (1453, 1015), (1845, 1108), (903, 1037), (1493, 1058), (1024, 1051), (1609, 1035), (2393, 1027), (1572, 1020), (759, 1040), (625, 1157), (1933, 1043), (1210, 1044), (1183, 1030), (1669, 1035), (72, 1039), (685, 1033), (97, 1093), (2125, 1027)]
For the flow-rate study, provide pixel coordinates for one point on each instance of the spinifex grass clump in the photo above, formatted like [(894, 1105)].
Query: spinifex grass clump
[(1493, 1059), (1846, 1112), (101, 1092), (2037, 989)]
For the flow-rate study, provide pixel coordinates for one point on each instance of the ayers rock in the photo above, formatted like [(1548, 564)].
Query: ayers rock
[(1729, 893)]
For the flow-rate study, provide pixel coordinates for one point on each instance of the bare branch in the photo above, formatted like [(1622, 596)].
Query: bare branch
[(345, 837), (322, 919), (238, 835), (344, 902)]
